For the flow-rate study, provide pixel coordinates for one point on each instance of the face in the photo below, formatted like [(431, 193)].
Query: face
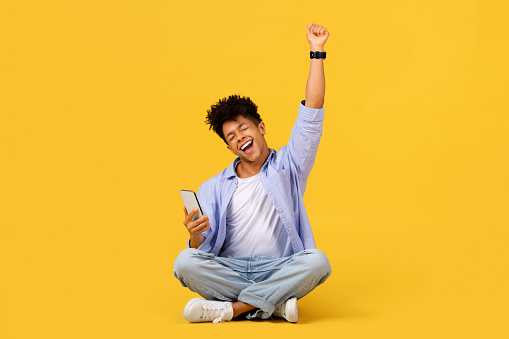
[(245, 139)]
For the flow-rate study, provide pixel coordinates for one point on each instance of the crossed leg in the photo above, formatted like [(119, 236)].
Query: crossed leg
[(249, 285)]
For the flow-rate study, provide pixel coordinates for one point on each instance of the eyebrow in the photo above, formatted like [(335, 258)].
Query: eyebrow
[(239, 126)]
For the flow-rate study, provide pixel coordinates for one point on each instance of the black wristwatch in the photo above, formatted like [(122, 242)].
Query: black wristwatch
[(317, 55)]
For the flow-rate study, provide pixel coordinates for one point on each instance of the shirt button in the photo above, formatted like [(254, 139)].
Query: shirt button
[(270, 192), (289, 229), (294, 245), (280, 210)]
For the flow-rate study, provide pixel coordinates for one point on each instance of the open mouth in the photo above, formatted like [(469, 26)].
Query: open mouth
[(247, 147)]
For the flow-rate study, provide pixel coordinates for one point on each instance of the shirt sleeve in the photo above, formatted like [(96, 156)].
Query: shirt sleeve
[(305, 138)]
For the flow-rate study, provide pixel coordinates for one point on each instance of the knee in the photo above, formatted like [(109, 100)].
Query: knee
[(316, 261), (188, 261)]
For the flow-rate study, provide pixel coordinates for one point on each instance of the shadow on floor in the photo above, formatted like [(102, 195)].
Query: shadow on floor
[(360, 290)]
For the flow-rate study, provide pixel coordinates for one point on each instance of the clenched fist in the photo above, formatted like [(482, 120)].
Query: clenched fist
[(317, 36)]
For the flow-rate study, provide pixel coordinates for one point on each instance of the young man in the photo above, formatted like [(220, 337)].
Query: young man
[(253, 252)]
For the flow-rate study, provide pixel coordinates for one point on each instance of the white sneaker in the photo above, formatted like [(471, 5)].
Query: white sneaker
[(200, 310), (288, 310)]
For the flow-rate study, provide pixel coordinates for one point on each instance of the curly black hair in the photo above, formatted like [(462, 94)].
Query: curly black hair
[(227, 109)]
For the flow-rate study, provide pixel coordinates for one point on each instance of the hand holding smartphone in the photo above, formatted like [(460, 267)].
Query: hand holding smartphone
[(194, 227)]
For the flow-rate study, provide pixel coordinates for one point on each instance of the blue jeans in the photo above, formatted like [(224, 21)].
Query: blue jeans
[(262, 282)]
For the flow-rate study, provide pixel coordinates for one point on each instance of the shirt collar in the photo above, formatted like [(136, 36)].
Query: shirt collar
[(230, 170)]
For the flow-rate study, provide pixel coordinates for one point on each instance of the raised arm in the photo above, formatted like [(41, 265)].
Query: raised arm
[(315, 88)]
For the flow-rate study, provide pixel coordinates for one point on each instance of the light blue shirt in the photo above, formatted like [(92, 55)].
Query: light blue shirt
[(283, 176)]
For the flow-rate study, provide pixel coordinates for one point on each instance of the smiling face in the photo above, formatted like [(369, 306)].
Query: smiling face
[(246, 140)]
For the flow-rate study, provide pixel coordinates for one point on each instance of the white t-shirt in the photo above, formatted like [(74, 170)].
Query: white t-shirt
[(253, 225)]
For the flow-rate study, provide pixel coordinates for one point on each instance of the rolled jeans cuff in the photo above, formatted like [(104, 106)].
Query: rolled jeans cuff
[(265, 308)]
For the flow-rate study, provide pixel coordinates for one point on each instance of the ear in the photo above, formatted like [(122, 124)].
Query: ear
[(229, 148), (261, 128)]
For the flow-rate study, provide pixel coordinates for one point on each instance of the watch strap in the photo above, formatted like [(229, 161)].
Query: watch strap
[(317, 55)]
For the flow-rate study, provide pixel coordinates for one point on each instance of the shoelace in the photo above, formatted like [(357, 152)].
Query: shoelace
[(217, 313)]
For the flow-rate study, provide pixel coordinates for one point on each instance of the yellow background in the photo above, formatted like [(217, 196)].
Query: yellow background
[(102, 123)]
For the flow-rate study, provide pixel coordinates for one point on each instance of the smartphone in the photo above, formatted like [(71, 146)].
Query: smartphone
[(191, 202)]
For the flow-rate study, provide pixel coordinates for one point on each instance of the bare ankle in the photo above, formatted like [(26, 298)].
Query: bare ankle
[(239, 307)]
